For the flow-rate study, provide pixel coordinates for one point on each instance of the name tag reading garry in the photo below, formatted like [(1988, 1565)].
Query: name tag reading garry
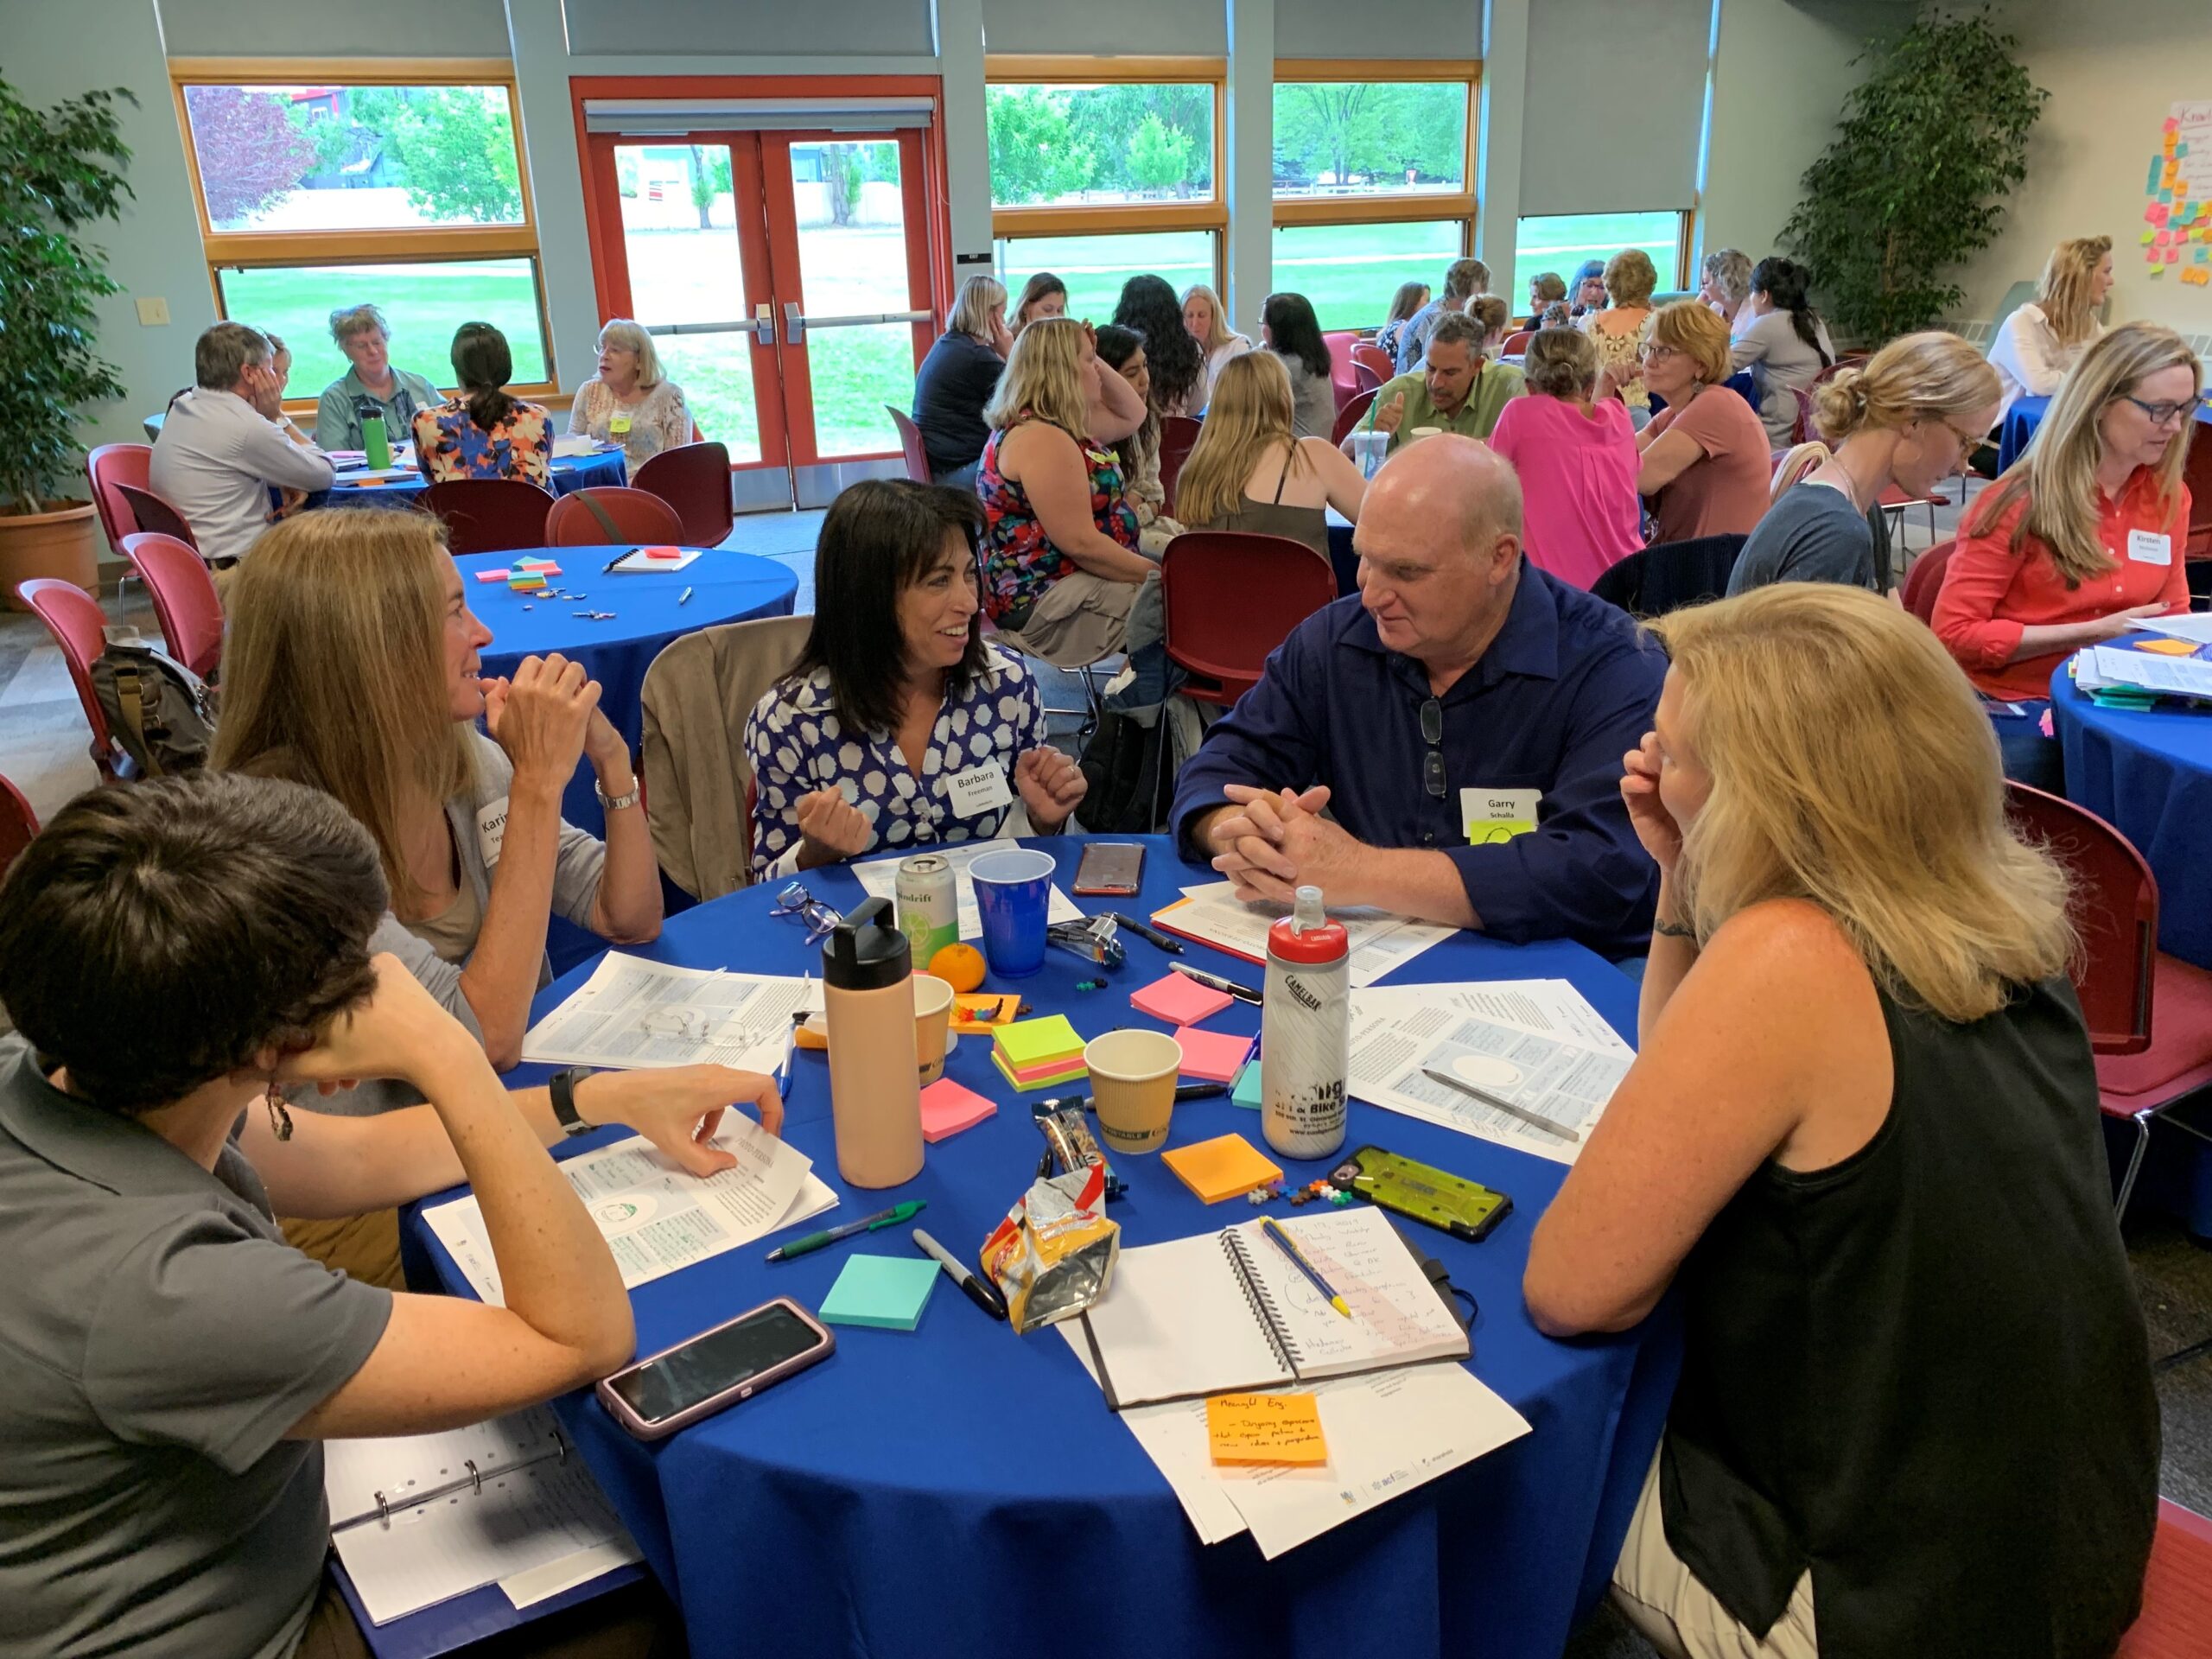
[(977, 791), (492, 830), (2149, 547), (1497, 815)]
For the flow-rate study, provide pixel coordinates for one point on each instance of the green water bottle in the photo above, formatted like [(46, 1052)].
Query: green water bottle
[(374, 441)]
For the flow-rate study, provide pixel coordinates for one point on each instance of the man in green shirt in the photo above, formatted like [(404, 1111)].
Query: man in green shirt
[(1455, 391)]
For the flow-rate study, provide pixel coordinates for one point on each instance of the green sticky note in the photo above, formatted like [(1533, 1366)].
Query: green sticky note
[(2148, 236), (1247, 1092), (886, 1292), (1031, 1042)]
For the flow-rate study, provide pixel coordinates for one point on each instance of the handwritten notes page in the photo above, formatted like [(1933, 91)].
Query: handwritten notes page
[(1282, 1429)]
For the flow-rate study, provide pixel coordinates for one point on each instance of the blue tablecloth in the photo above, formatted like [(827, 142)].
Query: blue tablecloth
[(605, 470), (726, 587), (962, 1491), (2026, 414), (2150, 775), (1342, 559)]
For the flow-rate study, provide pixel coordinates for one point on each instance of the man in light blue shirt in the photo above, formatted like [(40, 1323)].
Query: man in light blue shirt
[(1463, 280)]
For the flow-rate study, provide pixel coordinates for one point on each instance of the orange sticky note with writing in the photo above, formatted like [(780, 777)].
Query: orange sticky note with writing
[(1250, 1428)]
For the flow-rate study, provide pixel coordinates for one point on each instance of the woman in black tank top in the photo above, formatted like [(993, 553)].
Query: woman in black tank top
[(1915, 1415)]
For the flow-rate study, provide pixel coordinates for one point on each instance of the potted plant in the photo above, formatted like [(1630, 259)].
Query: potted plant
[(60, 172)]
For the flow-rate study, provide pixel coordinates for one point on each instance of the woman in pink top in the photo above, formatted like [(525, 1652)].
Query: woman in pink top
[(1577, 460)]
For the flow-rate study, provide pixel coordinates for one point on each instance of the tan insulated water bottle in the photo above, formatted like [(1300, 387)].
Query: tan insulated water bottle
[(874, 1095)]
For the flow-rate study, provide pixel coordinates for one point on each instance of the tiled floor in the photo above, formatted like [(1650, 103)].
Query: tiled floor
[(42, 750)]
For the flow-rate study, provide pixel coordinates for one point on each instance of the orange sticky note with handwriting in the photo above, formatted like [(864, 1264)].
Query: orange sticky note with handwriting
[(1265, 1428)]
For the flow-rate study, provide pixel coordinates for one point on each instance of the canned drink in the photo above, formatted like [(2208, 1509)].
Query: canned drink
[(929, 905)]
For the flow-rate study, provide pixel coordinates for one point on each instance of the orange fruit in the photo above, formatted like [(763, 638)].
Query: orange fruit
[(959, 965)]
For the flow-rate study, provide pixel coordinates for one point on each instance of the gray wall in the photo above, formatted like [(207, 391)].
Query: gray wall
[(1177, 28), (326, 28), (817, 27)]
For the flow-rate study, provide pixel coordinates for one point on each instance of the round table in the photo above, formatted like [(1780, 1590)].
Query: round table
[(2026, 414), (605, 470), (962, 1490)]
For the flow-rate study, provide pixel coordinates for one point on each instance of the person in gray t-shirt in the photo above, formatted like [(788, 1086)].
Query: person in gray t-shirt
[(1814, 533), (170, 953)]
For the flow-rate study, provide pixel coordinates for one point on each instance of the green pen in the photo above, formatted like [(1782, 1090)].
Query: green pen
[(811, 1241)]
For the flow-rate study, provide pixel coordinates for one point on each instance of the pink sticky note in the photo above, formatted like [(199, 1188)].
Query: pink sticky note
[(491, 575), (661, 552), (1214, 1056), (2163, 236), (947, 1108), (2173, 255), (537, 564), (1178, 1000)]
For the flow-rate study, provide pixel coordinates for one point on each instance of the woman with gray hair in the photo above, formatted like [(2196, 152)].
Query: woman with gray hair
[(1727, 285), (360, 332), (956, 379), (631, 402)]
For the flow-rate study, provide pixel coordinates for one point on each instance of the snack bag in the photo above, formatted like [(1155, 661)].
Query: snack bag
[(1054, 1254)]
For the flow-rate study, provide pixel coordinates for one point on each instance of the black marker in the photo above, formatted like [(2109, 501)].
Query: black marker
[(984, 1296)]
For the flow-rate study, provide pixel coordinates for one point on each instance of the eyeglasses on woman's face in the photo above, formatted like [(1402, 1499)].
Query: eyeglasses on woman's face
[(1652, 352), (2166, 413)]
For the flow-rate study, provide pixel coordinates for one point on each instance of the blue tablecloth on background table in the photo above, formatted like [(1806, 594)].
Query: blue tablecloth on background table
[(605, 470), (2026, 414), (1342, 559), (961, 1491)]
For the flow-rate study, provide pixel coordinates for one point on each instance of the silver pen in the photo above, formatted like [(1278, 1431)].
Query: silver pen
[(1535, 1119)]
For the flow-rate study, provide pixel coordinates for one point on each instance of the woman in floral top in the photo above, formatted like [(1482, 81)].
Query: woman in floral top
[(479, 431), (897, 727), (1060, 565)]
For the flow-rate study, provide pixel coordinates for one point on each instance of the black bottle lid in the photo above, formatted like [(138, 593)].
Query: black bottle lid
[(865, 952)]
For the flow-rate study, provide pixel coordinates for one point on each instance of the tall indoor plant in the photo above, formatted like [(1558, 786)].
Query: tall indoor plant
[(60, 171), (1927, 148)]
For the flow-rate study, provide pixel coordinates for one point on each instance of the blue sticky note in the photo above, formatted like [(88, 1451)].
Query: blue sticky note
[(886, 1292), (1247, 1092), (2166, 196), (2157, 170), (2181, 150)]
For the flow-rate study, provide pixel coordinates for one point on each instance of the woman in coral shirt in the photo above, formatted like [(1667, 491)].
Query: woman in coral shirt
[(2080, 537)]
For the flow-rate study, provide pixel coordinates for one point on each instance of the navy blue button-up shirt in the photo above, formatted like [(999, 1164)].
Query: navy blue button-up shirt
[(1566, 688)]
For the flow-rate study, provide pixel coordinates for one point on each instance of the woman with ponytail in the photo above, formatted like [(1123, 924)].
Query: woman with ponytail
[(1786, 346), (2043, 339), (1910, 417), (480, 431)]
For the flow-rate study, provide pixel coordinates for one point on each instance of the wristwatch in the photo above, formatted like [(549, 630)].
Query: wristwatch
[(615, 803), (562, 1088)]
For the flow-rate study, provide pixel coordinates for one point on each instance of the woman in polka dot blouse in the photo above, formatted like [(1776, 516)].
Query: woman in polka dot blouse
[(897, 727)]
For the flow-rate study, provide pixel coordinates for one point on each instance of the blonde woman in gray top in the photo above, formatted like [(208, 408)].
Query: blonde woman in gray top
[(631, 402)]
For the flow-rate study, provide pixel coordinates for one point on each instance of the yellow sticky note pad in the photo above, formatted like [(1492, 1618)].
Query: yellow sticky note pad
[(1266, 1428), (2167, 647), (1227, 1166)]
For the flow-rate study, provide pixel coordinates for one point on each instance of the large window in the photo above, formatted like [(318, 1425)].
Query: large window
[(1351, 271), (1095, 267), (1561, 242), (1369, 138), (318, 189)]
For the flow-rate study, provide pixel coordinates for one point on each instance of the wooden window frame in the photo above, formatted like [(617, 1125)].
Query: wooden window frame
[(250, 250), (1408, 208)]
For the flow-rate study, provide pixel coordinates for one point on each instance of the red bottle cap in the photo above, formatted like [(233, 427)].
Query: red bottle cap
[(1311, 946)]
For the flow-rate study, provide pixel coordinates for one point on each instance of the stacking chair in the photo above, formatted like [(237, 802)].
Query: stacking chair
[(1178, 434), (79, 628), (1375, 359), (2176, 1622), (1231, 597), (184, 601), (1516, 342), (1925, 581), (153, 516), (1343, 381), (1352, 414), (489, 515), (18, 823), (107, 467), (693, 478), (910, 444), (611, 515), (1789, 469), (1670, 576)]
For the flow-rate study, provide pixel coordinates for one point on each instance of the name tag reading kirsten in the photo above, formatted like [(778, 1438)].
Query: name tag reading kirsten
[(2149, 547), (977, 791), (1497, 815), (492, 830)]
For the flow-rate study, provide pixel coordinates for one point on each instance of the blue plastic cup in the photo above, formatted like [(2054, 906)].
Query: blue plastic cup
[(1012, 890)]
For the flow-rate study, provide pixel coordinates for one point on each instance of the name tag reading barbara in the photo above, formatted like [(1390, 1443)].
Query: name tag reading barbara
[(977, 791), (1497, 815)]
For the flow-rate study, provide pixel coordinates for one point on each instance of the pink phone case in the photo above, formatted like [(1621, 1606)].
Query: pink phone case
[(825, 1344)]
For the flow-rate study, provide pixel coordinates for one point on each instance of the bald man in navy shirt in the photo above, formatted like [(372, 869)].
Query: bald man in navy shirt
[(1447, 744)]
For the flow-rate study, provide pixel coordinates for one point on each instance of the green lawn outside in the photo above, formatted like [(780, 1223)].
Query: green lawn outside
[(1561, 242), (424, 304)]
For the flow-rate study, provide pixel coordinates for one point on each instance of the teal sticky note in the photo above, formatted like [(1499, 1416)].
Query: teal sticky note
[(2157, 170), (1247, 1092), (2166, 196), (2181, 150), (886, 1292)]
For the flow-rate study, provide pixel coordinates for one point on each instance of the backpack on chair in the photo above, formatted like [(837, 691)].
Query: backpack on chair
[(159, 711)]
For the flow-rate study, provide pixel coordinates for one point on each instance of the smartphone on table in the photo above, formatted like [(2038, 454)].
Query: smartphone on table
[(1422, 1192), (1112, 867), (705, 1373)]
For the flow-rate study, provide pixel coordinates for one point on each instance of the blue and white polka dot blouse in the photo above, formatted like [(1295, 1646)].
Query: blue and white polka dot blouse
[(798, 744)]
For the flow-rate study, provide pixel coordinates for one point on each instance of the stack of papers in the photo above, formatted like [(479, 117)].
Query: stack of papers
[(1213, 914), (1039, 1054), (1536, 1043), (632, 1013), (2195, 626), (653, 559), (881, 877), (2110, 667), (655, 1216)]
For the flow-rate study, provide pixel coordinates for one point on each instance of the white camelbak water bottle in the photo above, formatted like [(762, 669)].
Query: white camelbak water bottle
[(1305, 1032)]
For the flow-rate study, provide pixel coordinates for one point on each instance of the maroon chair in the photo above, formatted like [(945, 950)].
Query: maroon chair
[(108, 466), (1376, 360), (1367, 379), (18, 823), (1342, 380), (1351, 414), (1924, 582), (489, 515), (184, 601), (910, 444), (1516, 342), (1178, 434), (79, 628), (1230, 597), (695, 480), (1802, 430), (152, 516), (2176, 1622), (2149, 1015), (610, 516)]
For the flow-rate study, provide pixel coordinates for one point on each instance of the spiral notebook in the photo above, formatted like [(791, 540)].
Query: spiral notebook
[(1228, 1312)]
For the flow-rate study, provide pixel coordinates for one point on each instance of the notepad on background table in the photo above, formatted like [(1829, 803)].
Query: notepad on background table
[(653, 558), (947, 1108), (1180, 999), (1214, 1056), (1227, 1166), (1027, 1043)]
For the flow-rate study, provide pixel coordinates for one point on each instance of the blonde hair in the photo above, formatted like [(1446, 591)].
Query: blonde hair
[(1732, 270), (2058, 475), (624, 335), (980, 299), (1491, 313), (1933, 376), (1562, 363), (1695, 330), (1044, 376), (2063, 295), (335, 671), (1630, 277), (1898, 833), (1218, 335), (1251, 411)]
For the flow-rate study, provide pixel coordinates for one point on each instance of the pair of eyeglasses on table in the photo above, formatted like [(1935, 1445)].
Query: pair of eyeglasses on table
[(793, 900)]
